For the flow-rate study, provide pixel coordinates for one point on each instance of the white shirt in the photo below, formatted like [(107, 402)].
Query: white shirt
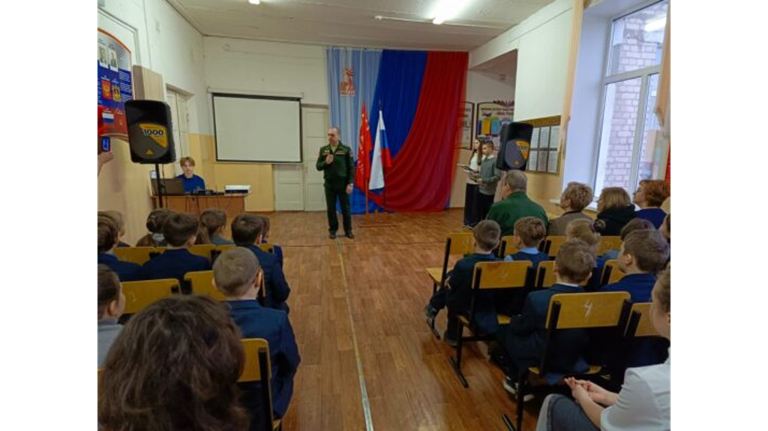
[(644, 401), (473, 166)]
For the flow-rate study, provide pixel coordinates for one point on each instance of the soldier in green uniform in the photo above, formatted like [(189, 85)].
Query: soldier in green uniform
[(335, 159)]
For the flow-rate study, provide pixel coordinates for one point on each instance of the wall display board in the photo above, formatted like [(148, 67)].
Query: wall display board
[(545, 145), (115, 85), (491, 116)]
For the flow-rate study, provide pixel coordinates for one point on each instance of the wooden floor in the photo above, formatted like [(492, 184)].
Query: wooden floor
[(357, 311)]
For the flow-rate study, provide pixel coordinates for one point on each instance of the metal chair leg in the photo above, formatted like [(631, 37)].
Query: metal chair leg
[(431, 322), (456, 363), (521, 378), (507, 422)]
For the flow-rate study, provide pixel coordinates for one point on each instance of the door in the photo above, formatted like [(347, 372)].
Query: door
[(315, 129), (180, 125), (289, 187)]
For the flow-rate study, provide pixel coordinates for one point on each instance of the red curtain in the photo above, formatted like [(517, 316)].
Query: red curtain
[(422, 172)]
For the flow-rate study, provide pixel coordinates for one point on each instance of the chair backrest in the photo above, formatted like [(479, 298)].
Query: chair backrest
[(637, 344), (545, 275), (139, 255), (457, 243), (224, 247), (640, 324), (608, 243), (258, 369), (203, 250), (220, 249), (253, 361), (587, 310), (507, 247), (552, 244), (605, 312), (500, 275), (139, 294), (202, 283), (611, 272)]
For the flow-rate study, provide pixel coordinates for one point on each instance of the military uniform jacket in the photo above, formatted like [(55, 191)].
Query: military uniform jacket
[(342, 170)]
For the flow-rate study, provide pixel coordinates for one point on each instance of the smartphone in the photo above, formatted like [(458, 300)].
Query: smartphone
[(106, 144)]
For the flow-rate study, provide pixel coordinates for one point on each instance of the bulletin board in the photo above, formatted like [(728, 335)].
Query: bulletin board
[(544, 156), (491, 116), (115, 83)]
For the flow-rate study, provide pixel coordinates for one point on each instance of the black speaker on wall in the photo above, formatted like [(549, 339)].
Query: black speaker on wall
[(515, 146), (150, 131)]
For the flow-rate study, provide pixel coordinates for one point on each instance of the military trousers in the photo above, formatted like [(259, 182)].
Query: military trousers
[(334, 190)]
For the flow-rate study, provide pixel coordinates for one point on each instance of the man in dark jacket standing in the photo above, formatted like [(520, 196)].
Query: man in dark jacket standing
[(335, 159)]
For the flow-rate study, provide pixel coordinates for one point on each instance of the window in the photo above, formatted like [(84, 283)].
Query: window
[(628, 129)]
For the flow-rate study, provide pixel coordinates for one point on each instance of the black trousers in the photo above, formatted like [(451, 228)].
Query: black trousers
[(484, 203), (338, 190), (470, 205)]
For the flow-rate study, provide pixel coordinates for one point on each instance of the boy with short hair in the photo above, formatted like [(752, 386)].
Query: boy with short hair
[(574, 199), (117, 219), (265, 239), (528, 234), (643, 254), (633, 225), (108, 238), (111, 304)]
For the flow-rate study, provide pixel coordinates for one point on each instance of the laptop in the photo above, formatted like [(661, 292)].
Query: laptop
[(170, 186)]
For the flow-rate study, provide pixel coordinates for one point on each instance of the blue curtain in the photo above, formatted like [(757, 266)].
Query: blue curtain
[(397, 93), (346, 108)]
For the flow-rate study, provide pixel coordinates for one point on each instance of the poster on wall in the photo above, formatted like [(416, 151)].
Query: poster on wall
[(545, 145), (554, 156), (115, 84), (554, 138), (491, 116), (467, 120)]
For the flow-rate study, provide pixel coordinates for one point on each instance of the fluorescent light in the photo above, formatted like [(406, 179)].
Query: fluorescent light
[(447, 9), (656, 24), (254, 1)]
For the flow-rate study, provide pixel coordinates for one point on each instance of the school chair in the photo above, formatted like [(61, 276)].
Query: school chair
[(203, 250), (639, 327), (201, 283), (217, 250), (268, 247), (608, 243), (455, 244), (611, 272), (551, 245), (259, 369), (139, 255), (545, 275), (506, 247), (139, 294)]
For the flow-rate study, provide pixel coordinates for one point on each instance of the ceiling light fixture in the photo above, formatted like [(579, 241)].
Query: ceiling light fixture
[(448, 9), (254, 1)]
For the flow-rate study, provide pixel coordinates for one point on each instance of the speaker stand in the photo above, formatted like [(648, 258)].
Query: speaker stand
[(159, 188)]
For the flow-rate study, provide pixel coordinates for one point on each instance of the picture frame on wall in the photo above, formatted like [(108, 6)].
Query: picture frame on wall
[(467, 125), (544, 156), (490, 117)]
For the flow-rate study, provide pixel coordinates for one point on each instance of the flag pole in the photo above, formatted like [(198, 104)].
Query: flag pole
[(383, 170), (386, 214), (366, 174), (366, 196), (376, 221)]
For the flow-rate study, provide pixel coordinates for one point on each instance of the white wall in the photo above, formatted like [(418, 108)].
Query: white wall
[(543, 43), (480, 88), (541, 69), (176, 52), (270, 68), (483, 88), (267, 68), (510, 39), (263, 68), (585, 116)]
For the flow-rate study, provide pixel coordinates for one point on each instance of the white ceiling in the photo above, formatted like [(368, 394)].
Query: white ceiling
[(406, 24)]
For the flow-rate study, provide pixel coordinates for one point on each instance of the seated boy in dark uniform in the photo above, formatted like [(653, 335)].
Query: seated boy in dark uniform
[(529, 233), (109, 238)]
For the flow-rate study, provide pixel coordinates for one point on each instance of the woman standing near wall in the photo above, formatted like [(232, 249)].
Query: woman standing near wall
[(470, 195), (487, 180)]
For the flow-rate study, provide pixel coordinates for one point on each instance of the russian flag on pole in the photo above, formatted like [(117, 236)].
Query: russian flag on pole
[(381, 156)]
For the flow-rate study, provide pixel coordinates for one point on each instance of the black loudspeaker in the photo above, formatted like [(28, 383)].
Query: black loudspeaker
[(150, 132), (515, 146)]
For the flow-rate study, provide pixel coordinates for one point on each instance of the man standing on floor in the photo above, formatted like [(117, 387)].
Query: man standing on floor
[(336, 161)]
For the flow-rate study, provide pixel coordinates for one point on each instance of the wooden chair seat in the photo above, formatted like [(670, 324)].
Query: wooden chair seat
[(593, 369), (503, 319), (435, 274)]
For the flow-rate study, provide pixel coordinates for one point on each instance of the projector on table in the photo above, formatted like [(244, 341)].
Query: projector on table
[(244, 189)]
